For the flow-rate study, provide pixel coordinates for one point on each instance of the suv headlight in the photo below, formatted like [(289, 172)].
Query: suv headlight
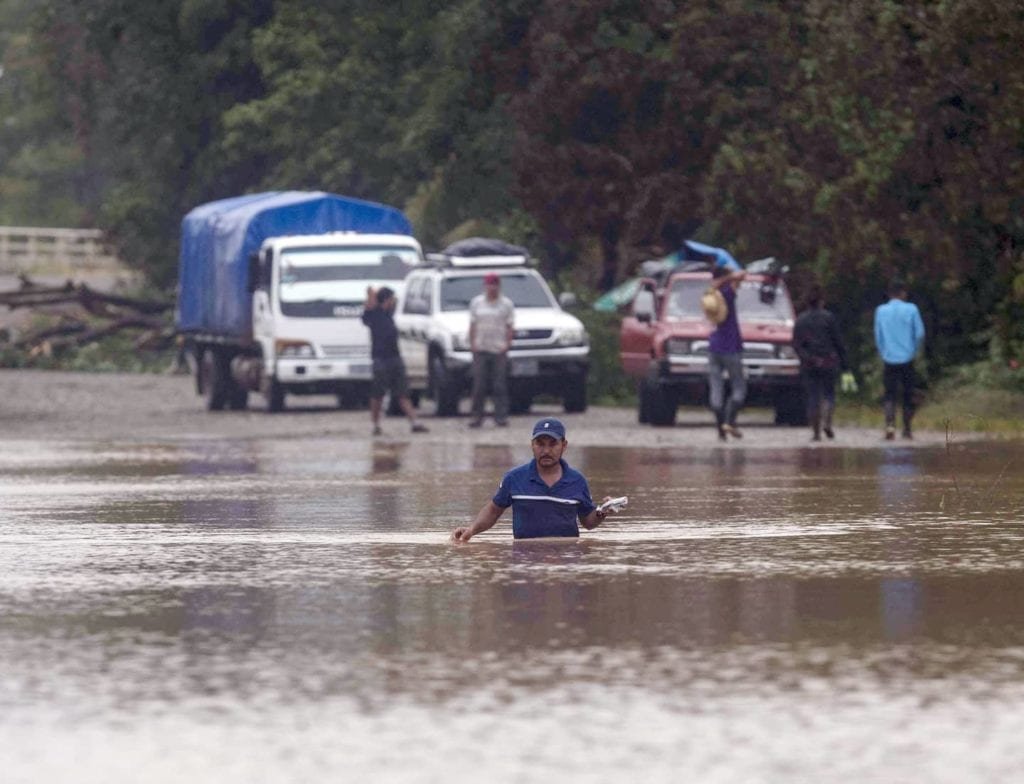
[(294, 348), (678, 346), (572, 336), (460, 342), (785, 352)]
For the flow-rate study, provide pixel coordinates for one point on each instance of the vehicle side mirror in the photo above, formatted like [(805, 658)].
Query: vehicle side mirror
[(253, 280), (643, 306), (567, 299)]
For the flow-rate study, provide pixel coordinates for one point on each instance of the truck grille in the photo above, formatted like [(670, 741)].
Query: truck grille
[(758, 350), (751, 350), (346, 352)]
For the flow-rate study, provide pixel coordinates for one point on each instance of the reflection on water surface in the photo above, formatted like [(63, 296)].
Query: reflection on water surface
[(292, 610)]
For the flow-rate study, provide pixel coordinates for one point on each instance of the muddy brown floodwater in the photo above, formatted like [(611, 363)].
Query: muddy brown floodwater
[(248, 597)]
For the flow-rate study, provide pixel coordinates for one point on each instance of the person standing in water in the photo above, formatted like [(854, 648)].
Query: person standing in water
[(548, 497)]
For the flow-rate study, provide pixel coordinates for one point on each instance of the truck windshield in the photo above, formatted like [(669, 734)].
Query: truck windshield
[(331, 281), (525, 291), (684, 301)]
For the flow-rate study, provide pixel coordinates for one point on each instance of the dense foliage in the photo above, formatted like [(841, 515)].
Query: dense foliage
[(854, 141)]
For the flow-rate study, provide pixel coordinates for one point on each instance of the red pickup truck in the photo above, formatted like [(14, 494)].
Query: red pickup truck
[(663, 344)]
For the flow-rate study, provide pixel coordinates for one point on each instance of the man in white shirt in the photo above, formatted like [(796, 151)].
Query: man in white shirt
[(491, 318)]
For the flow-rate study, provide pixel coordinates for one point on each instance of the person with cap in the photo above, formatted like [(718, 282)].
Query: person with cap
[(491, 317), (899, 333), (388, 368), (548, 497), (725, 356)]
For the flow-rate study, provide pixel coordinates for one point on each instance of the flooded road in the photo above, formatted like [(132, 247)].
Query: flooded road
[(254, 606)]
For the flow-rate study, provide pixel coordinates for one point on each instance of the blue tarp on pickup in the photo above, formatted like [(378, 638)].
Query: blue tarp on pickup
[(623, 294), (218, 238)]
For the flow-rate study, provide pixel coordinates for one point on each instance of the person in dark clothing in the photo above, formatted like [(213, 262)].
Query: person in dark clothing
[(388, 368), (725, 356), (819, 345)]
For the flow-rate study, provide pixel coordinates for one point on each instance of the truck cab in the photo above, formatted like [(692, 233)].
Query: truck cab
[(663, 344), (271, 289), (308, 295)]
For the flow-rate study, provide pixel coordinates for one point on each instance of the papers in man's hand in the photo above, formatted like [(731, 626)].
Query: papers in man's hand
[(614, 504)]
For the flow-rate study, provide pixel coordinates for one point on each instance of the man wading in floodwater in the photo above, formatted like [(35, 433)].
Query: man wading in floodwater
[(547, 496)]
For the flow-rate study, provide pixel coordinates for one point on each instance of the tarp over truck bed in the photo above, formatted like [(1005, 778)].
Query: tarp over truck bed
[(218, 238)]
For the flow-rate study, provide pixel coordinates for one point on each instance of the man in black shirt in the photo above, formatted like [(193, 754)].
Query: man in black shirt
[(819, 345), (388, 368)]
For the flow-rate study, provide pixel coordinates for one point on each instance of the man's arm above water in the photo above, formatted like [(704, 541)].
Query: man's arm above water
[(485, 518), (596, 516)]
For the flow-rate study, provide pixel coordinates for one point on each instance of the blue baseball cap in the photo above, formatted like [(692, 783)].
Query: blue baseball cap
[(549, 427)]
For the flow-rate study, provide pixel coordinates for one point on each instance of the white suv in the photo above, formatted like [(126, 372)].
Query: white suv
[(550, 349)]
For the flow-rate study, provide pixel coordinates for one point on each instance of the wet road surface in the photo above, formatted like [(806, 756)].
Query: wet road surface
[(241, 603)]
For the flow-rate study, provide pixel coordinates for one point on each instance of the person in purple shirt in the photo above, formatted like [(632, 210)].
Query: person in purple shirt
[(725, 356), (899, 333)]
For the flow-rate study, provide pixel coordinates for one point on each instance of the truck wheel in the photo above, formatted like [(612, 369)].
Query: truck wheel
[(446, 398), (238, 397), (275, 396), (791, 408), (574, 401), (214, 378), (663, 404)]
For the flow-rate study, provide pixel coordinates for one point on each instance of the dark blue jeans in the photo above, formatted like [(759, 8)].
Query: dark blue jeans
[(490, 372), (898, 379)]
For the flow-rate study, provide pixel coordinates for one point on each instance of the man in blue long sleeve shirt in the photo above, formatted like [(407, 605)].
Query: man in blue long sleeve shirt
[(899, 333)]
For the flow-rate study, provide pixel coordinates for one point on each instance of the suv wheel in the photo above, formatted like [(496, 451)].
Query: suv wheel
[(790, 408), (446, 396), (575, 398)]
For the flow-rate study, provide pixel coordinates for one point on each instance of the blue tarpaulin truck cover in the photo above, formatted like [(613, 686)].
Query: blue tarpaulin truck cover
[(218, 238)]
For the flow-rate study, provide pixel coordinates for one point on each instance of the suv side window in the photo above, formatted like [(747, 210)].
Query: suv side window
[(413, 297), (427, 296)]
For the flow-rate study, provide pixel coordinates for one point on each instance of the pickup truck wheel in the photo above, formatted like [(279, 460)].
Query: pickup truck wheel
[(643, 403), (574, 401), (446, 398), (663, 405), (214, 380), (275, 396), (520, 402), (791, 408)]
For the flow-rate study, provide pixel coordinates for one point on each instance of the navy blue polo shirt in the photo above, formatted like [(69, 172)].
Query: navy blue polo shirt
[(539, 510)]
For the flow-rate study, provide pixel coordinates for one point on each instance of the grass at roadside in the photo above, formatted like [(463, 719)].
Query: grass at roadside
[(960, 408)]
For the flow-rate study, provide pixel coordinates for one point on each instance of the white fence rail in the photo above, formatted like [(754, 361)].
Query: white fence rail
[(54, 251)]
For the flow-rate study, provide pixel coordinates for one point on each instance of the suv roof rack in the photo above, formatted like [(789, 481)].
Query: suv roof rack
[(468, 262)]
